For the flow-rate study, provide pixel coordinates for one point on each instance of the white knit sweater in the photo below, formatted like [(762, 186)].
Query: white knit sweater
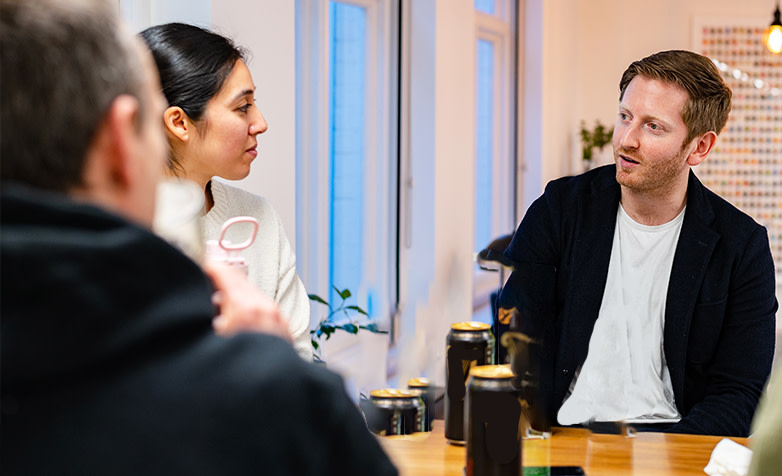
[(271, 261)]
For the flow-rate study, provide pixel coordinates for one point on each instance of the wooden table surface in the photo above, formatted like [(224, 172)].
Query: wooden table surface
[(646, 454)]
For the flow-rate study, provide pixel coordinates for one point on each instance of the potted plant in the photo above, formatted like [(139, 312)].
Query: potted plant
[(326, 327), (596, 138)]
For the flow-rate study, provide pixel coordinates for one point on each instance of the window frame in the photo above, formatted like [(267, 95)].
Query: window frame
[(500, 29), (313, 160)]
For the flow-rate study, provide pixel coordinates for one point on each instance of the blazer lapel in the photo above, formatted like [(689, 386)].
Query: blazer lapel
[(592, 252), (693, 251)]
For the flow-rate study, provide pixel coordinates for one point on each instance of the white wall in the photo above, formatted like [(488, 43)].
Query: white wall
[(438, 284)]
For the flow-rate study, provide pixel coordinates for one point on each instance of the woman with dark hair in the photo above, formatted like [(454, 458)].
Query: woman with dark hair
[(212, 124)]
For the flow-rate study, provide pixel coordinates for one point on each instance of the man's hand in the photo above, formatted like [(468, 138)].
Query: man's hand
[(243, 307)]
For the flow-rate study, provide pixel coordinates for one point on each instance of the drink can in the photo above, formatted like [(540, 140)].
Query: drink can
[(395, 412), (468, 344), (492, 425), (423, 387)]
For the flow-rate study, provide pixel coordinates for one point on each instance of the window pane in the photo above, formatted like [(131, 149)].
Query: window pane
[(484, 144), (348, 45), (485, 6)]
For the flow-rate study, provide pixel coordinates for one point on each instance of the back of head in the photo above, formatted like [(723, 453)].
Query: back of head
[(63, 63), (709, 102)]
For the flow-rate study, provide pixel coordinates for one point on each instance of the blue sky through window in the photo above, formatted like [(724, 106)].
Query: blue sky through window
[(483, 154), (485, 6), (347, 70)]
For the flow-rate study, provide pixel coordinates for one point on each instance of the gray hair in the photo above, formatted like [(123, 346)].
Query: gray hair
[(62, 66)]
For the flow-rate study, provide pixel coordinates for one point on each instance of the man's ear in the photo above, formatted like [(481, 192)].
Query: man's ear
[(112, 154), (178, 123), (703, 145)]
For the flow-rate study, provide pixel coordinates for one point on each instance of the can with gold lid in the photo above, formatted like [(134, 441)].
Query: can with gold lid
[(468, 344), (492, 426), (395, 412), (423, 387)]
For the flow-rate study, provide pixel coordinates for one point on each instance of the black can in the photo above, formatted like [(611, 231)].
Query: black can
[(423, 388), (395, 412), (492, 423), (468, 344)]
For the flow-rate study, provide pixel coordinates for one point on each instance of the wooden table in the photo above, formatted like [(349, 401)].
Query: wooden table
[(646, 454)]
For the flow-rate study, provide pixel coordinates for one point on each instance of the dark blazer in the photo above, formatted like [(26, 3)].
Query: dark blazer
[(720, 310)]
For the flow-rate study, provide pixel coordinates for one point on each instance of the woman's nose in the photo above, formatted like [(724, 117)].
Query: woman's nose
[(258, 125)]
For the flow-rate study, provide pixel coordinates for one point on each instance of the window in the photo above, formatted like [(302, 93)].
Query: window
[(346, 155), (495, 125), (347, 150)]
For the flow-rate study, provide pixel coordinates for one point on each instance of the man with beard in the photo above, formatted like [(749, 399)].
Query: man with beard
[(653, 298)]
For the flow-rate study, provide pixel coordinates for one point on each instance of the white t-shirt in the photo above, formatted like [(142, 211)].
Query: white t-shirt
[(625, 376)]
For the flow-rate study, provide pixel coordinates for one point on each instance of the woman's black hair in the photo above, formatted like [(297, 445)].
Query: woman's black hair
[(193, 64)]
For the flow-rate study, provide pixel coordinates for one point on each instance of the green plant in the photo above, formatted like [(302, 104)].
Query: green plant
[(327, 326), (596, 138)]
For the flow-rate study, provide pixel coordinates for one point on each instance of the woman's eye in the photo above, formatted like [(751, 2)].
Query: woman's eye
[(245, 107)]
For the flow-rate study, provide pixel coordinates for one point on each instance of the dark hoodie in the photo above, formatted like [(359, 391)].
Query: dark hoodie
[(110, 365)]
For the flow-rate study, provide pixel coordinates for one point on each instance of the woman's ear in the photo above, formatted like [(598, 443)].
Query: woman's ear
[(177, 123)]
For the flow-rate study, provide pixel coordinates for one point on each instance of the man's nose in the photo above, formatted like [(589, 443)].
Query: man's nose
[(629, 138)]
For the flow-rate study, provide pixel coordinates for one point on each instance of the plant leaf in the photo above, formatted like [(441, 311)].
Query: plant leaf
[(316, 298), (352, 328), (373, 328), (358, 310)]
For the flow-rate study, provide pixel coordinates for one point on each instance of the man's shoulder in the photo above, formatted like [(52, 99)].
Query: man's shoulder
[(597, 182), (726, 215), (259, 362)]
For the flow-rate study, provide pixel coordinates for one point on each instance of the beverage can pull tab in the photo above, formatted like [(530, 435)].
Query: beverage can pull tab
[(223, 250)]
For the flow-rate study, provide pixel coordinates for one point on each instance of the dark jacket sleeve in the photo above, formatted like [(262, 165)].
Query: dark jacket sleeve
[(724, 400)]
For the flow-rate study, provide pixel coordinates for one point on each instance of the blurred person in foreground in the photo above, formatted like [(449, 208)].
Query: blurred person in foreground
[(110, 359), (652, 297), (766, 440)]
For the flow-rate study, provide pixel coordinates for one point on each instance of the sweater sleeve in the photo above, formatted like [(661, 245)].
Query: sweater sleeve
[(292, 298)]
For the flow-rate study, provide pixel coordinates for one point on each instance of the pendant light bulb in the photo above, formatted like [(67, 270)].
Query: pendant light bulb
[(773, 35)]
